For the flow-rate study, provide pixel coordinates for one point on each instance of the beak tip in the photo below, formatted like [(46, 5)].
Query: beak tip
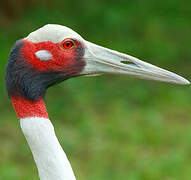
[(185, 82)]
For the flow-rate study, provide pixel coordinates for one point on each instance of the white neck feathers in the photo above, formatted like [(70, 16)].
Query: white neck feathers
[(49, 156)]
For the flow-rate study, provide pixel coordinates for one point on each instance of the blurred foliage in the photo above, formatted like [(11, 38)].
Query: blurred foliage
[(111, 127)]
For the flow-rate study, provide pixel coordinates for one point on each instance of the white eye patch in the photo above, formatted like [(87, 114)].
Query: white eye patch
[(43, 55)]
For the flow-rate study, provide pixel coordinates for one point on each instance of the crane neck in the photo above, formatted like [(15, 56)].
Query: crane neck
[(51, 160), (25, 108)]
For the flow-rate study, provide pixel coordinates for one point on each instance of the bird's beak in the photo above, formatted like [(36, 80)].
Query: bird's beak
[(102, 60)]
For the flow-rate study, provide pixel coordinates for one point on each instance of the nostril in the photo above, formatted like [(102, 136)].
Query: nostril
[(129, 63)]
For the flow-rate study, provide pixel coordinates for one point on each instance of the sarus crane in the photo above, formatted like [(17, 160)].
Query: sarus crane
[(51, 55)]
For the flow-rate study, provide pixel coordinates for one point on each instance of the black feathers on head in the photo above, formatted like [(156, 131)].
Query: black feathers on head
[(25, 81)]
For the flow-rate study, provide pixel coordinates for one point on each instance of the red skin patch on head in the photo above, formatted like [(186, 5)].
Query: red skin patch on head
[(61, 57), (25, 108)]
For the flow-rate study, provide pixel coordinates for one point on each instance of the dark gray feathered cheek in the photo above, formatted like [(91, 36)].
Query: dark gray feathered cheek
[(25, 81)]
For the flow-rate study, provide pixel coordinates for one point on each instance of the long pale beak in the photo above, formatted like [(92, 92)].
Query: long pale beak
[(102, 60)]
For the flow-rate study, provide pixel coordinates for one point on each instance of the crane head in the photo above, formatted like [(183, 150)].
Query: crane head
[(55, 53)]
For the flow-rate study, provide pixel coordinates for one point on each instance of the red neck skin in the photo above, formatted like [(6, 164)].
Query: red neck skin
[(25, 108)]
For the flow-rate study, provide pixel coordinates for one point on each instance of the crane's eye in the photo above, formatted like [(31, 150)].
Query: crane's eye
[(67, 44)]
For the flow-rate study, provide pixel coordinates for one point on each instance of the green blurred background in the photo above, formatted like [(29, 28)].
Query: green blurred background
[(111, 127)]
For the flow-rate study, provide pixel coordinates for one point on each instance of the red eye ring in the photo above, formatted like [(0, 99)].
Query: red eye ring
[(67, 44)]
